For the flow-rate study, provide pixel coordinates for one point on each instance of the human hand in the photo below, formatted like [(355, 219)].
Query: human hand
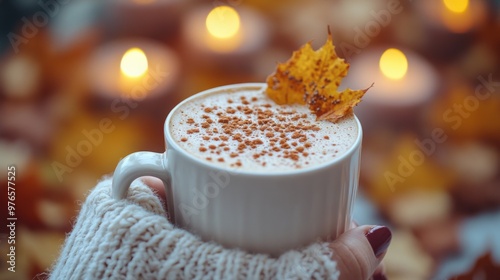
[(358, 252)]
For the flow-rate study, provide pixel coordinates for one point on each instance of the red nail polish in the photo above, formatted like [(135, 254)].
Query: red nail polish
[(379, 238)]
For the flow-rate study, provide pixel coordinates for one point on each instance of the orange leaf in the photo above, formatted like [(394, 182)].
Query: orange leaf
[(313, 77)]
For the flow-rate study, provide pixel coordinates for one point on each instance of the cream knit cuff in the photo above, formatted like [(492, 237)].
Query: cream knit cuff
[(132, 239)]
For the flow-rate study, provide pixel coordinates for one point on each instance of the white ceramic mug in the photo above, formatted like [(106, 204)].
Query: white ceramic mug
[(253, 210)]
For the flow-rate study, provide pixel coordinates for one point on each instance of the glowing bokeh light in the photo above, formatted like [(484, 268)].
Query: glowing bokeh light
[(134, 63), (456, 6), (393, 64), (223, 22)]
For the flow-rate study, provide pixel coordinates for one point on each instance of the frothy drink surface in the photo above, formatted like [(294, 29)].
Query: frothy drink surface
[(242, 128)]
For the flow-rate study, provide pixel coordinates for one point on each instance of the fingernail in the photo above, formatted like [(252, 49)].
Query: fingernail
[(379, 238), (379, 276)]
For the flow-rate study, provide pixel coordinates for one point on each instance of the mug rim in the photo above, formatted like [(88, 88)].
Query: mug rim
[(173, 144)]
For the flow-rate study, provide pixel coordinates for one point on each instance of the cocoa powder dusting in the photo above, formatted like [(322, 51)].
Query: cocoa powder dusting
[(286, 132)]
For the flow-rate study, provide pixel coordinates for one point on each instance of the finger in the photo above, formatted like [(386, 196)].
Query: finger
[(360, 251), (156, 185), (379, 273), (354, 224)]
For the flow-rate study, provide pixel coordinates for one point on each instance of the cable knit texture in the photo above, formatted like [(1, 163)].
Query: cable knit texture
[(132, 239)]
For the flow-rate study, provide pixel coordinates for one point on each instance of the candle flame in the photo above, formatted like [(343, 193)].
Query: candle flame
[(459, 16), (393, 64), (223, 22), (134, 63), (456, 6)]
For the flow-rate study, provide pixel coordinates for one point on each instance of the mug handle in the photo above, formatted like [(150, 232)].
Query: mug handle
[(140, 164)]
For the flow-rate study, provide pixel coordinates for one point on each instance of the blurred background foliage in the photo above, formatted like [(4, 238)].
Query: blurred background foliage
[(431, 150)]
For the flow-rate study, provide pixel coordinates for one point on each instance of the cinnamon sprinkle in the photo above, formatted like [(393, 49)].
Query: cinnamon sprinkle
[(242, 128)]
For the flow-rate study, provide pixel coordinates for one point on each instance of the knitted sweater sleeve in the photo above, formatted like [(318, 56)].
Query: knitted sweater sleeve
[(132, 239)]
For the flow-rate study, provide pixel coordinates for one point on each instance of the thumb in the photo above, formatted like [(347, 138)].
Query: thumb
[(359, 251)]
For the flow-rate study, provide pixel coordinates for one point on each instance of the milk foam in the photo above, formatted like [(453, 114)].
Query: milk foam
[(208, 130)]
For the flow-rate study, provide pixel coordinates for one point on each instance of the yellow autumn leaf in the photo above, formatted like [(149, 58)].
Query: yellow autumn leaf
[(313, 77)]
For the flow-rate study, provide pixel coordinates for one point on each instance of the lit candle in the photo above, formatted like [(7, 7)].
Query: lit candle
[(133, 69), (223, 29), (402, 83), (456, 16), (445, 28), (224, 32)]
